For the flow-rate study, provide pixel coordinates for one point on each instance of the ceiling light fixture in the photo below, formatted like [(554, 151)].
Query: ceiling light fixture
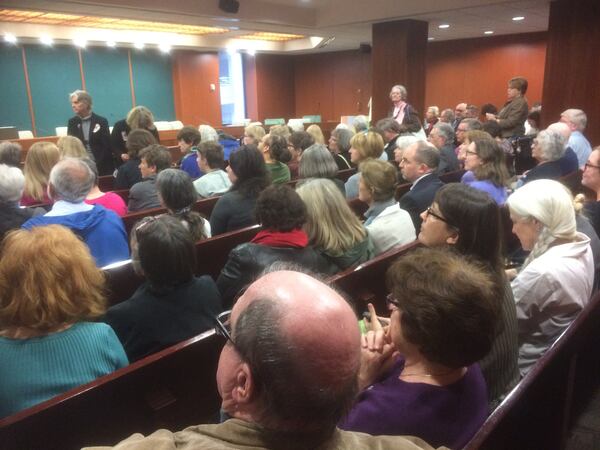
[(164, 48), (443, 26), (10, 38), (139, 45), (488, 32), (431, 39), (46, 40), (81, 43), (111, 44), (518, 18), (251, 51)]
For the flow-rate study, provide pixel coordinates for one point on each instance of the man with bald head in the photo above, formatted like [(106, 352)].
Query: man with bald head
[(287, 374), (568, 162), (71, 180)]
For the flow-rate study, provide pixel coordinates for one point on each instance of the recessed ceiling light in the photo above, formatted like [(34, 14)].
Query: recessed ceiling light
[(443, 26), (111, 44), (46, 40), (488, 32), (431, 39), (139, 45), (518, 18), (251, 51), (165, 48), (81, 43), (10, 38)]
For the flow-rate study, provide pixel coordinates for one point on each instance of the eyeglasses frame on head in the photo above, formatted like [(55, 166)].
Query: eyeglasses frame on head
[(221, 329), (429, 212)]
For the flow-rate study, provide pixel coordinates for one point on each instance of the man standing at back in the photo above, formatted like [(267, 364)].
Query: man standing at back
[(287, 374), (418, 166), (92, 130), (101, 229)]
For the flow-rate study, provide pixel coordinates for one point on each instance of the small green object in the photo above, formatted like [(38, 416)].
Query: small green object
[(271, 122), (312, 119)]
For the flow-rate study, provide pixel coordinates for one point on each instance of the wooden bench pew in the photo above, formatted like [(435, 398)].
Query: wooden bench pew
[(366, 282), (106, 183), (171, 389), (211, 256), (539, 410)]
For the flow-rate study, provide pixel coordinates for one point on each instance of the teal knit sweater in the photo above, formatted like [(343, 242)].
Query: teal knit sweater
[(34, 370)]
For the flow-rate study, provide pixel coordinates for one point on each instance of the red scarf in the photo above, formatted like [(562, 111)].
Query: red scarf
[(296, 238)]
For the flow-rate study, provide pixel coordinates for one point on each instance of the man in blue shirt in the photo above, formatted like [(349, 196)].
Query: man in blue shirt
[(576, 119)]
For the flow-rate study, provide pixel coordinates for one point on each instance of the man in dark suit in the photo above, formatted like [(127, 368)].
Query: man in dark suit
[(418, 165), (92, 130)]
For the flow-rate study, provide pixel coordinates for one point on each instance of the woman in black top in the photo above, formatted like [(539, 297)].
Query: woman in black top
[(129, 173), (138, 118)]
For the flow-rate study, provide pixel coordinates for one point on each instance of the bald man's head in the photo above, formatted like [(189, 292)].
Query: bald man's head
[(302, 343)]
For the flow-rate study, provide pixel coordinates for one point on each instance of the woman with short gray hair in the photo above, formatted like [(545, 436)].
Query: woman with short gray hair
[(12, 216), (548, 147), (318, 162)]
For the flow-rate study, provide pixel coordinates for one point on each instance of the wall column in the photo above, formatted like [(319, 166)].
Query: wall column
[(571, 77), (398, 57)]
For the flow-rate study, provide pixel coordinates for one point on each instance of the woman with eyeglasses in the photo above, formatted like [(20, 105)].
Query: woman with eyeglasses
[(555, 282), (172, 304), (419, 375), (485, 159), (468, 221)]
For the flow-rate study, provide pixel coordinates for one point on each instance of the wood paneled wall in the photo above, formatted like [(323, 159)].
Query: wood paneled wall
[(477, 70), (193, 74), (332, 84), (275, 96), (572, 74)]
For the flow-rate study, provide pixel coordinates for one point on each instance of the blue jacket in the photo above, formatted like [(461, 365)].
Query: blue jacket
[(101, 229)]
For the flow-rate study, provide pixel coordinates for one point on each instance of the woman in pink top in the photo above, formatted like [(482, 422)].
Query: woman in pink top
[(109, 200)]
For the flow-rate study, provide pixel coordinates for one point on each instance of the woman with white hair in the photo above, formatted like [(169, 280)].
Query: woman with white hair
[(548, 147), (402, 112), (12, 182), (208, 134), (555, 282)]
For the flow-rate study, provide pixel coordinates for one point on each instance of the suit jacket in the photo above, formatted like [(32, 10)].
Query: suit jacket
[(99, 141), (420, 197)]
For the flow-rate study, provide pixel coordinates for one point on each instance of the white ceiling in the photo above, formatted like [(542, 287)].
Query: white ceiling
[(349, 21)]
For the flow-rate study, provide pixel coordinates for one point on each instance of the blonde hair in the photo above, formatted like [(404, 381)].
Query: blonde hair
[(280, 130), (71, 147), (140, 117), (369, 145), (48, 278), (550, 203), (256, 132), (41, 157), (379, 177), (331, 225), (315, 131)]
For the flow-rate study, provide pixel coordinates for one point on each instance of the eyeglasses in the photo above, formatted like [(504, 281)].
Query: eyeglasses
[(429, 212), (392, 302), (223, 325), (470, 152), (591, 166)]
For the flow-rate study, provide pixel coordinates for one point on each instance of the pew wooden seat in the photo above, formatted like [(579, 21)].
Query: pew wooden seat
[(366, 282), (106, 183), (172, 389), (537, 413), (211, 256), (452, 177)]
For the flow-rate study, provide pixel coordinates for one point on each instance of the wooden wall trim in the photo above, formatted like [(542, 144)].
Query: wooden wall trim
[(81, 69), (133, 102), (28, 88)]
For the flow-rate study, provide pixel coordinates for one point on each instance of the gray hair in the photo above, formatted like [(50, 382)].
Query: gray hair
[(317, 162), (403, 142), (402, 89), (10, 153), (447, 115), (81, 96), (427, 154), (445, 131), (71, 180), (208, 134), (389, 124), (472, 124), (343, 136), (361, 123), (577, 117), (12, 182), (552, 144)]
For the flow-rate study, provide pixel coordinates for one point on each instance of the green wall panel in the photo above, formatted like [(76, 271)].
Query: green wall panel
[(14, 109), (53, 74), (106, 73), (153, 83)]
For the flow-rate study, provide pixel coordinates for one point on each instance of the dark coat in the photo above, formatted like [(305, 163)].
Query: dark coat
[(411, 123), (99, 141), (247, 261), (420, 197)]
